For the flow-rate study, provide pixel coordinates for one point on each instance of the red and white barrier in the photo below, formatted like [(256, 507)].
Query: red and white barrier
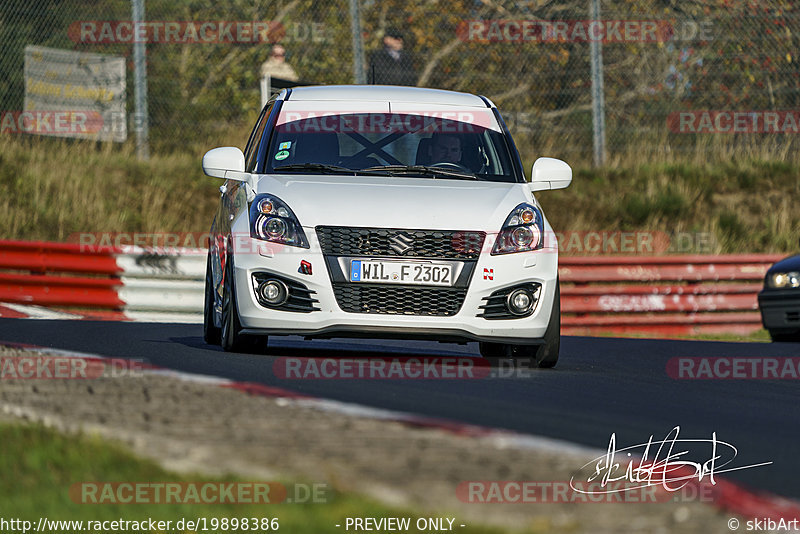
[(126, 283), (655, 295), (662, 295)]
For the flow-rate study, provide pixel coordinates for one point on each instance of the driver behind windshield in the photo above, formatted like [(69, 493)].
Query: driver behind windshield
[(445, 148)]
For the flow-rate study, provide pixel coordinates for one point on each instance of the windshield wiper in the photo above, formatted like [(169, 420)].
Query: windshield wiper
[(432, 171), (323, 167)]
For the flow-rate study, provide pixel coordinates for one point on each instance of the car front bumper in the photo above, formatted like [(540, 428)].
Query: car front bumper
[(330, 321), (780, 310)]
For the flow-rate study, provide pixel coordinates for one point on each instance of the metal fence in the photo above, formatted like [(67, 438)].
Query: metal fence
[(681, 80)]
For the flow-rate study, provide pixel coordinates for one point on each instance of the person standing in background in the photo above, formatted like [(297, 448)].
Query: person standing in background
[(392, 65), (276, 66)]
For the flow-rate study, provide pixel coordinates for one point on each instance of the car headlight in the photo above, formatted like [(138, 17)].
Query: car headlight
[(272, 220), (783, 280), (522, 231)]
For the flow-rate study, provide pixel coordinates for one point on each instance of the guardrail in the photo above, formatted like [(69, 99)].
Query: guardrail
[(140, 283), (663, 295), (656, 295)]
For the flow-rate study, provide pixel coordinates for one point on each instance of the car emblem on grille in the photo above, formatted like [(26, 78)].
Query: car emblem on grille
[(401, 243)]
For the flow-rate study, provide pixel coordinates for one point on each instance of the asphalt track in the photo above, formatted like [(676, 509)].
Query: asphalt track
[(600, 386)]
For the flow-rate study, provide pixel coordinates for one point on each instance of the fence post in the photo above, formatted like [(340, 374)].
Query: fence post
[(598, 96), (358, 45), (140, 119)]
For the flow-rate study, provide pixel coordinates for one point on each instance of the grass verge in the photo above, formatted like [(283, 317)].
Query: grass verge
[(733, 207), (39, 465), (759, 336), (53, 189)]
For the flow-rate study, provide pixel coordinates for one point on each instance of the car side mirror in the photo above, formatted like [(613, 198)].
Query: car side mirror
[(550, 173), (218, 161)]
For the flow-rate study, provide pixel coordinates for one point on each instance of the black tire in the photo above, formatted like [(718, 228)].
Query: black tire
[(544, 356), (230, 337), (782, 337), (211, 333), (547, 354)]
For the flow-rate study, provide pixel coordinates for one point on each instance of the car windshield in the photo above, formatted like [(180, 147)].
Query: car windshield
[(448, 145)]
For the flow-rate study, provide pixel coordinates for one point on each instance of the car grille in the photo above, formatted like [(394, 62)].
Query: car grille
[(449, 244), (399, 300)]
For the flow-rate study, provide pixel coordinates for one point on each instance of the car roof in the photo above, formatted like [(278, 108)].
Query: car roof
[(385, 93)]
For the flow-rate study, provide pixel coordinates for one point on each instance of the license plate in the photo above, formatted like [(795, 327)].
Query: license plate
[(395, 272)]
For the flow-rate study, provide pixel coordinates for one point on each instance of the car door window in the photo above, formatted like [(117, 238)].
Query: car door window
[(251, 152)]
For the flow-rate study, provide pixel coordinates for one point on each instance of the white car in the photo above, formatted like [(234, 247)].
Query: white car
[(379, 211)]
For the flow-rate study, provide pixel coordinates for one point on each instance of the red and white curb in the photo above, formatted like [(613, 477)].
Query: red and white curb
[(727, 495), (28, 311)]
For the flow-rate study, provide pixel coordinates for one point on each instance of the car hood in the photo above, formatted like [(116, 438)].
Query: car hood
[(792, 263), (396, 202)]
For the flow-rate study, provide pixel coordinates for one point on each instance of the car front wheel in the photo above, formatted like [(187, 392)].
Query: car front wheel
[(778, 337), (231, 338), (545, 355), (211, 333)]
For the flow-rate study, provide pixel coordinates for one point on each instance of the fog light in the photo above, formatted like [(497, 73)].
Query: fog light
[(520, 301), (274, 292)]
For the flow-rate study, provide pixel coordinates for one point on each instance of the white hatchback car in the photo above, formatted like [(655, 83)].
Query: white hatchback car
[(378, 211)]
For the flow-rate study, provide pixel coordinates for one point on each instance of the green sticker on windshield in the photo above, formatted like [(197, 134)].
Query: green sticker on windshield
[(283, 154)]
